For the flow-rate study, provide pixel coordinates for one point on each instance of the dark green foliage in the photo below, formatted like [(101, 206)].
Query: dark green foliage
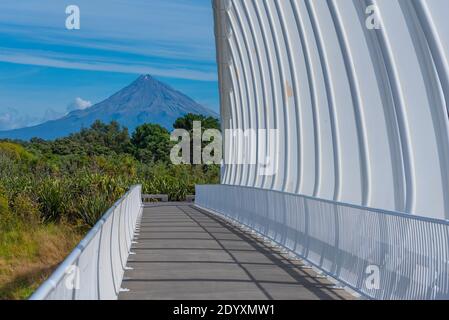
[(99, 139), (186, 122), (151, 143), (176, 180)]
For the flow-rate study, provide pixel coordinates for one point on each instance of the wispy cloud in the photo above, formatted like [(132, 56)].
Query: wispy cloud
[(108, 67)]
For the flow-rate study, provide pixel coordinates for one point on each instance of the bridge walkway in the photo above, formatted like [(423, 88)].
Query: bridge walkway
[(184, 253)]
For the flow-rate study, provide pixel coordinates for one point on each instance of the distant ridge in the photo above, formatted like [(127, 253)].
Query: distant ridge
[(144, 100)]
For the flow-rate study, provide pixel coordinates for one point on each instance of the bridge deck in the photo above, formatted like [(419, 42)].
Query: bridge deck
[(186, 253)]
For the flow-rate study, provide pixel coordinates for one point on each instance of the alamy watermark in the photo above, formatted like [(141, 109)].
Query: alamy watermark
[(258, 147), (72, 278), (372, 21), (372, 281), (73, 20)]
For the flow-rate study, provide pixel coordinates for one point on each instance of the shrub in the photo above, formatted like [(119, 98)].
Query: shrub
[(15, 151), (5, 214), (52, 197), (91, 208), (26, 209)]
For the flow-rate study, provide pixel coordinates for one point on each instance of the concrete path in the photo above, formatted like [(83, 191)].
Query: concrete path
[(186, 253)]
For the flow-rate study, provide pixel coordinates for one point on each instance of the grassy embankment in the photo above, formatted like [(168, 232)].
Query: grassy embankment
[(29, 248)]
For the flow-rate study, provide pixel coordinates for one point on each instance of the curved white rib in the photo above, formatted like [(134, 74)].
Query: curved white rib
[(362, 114)]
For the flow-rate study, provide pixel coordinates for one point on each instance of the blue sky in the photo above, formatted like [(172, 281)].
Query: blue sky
[(46, 70)]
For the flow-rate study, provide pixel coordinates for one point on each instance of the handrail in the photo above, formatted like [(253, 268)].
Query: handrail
[(349, 205), (94, 269), (380, 254)]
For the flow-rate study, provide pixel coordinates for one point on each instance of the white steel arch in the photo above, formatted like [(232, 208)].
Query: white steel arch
[(362, 112)]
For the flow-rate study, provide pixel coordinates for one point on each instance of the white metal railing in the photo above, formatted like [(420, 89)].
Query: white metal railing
[(95, 268), (380, 254)]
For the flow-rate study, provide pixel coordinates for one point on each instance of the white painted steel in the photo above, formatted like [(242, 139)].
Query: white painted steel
[(362, 114), (346, 241), (95, 268)]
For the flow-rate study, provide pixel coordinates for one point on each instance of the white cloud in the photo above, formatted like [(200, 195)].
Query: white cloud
[(12, 119), (79, 104)]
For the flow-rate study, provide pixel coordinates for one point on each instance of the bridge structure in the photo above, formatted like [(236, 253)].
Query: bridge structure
[(357, 94)]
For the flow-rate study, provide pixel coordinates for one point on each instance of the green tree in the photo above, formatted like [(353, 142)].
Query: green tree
[(151, 143), (186, 122), (99, 139)]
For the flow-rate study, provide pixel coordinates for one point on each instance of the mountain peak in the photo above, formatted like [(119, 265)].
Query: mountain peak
[(146, 77), (148, 83)]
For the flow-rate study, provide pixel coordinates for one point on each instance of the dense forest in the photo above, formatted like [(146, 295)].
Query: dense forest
[(52, 192)]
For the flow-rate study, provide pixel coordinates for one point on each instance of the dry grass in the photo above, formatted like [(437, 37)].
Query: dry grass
[(29, 255)]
